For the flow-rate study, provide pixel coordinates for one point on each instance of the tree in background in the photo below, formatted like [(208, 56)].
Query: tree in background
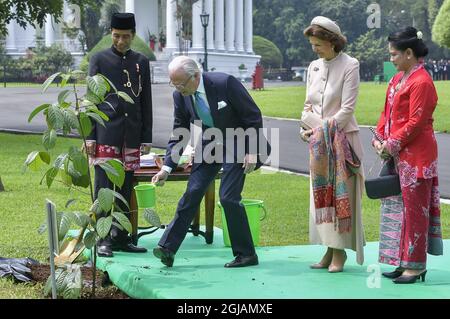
[(137, 45), (109, 7), (371, 51), (283, 22), (271, 56), (35, 11), (183, 15), (90, 16), (28, 12), (441, 27)]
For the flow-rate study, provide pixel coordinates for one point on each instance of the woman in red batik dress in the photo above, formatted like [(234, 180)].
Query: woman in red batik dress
[(410, 222)]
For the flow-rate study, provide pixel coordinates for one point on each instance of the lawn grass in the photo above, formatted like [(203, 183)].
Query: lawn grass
[(287, 102), (22, 207)]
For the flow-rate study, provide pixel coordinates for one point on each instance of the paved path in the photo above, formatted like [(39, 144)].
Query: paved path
[(17, 103)]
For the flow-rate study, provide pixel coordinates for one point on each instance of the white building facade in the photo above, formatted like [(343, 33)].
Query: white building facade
[(19, 40), (229, 34)]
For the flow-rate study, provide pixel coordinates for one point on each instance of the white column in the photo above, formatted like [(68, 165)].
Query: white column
[(209, 8), (240, 25), (11, 38), (230, 27), (49, 31), (171, 25), (197, 29), (130, 6), (219, 25), (248, 26)]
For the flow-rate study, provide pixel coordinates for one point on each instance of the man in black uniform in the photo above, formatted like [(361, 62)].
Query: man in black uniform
[(128, 133)]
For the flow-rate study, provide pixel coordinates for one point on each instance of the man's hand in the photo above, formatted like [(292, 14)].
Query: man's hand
[(250, 161), (305, 135), (160, 178), (145, 149), (90, 148)]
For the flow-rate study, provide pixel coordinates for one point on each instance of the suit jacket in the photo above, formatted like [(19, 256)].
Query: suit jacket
[(129, 124), (332, 88), (411, 132), (240, 112)]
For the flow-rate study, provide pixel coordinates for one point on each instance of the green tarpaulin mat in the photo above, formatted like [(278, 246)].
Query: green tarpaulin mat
[(283, 272)]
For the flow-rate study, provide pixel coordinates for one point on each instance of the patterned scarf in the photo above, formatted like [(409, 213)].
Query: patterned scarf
[(332, 162)]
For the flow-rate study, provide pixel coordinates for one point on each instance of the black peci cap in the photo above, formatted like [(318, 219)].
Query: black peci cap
[(123, 21)]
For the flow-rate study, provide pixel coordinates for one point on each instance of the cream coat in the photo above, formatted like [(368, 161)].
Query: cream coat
[(331, 92)]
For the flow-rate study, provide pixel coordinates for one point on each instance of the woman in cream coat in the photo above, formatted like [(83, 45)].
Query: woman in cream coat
[(331, 92)]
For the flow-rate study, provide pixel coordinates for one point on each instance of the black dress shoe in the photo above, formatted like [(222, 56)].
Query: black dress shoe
[(410, 279), (243, 261), (167, 257), (130, 248), (104, 251), (393, 274)]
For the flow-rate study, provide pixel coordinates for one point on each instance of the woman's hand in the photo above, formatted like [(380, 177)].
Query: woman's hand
[(305, 135), (381, 149)]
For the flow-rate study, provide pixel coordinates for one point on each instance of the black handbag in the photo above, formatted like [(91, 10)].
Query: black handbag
[(386, 184)]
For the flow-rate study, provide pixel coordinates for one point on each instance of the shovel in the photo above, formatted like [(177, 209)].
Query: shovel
[(67, 251)]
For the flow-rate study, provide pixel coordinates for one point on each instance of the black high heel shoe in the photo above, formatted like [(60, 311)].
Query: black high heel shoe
[(410, 279), (393, 274)]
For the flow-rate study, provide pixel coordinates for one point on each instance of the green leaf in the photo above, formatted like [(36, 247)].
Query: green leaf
[(49, 81), (37, 110), (97, 85), (87, 103), (104, 226), (110, 105), (106, 199), (35, 160), (97, 111), (80, 162), (119, 196), (90, 239), (65, 79), (108, 168), (126, 97), (60, 160), (81, 219), (49, 139), (62, 96), (72, 171), (70, 118), (152, 217), (55, 117), (70, 202), (110, 83), (124, 221), (81, 181), (64, 225), (95, 207), (118, 225), (45, 157), (86, 124), (92, 97), (51, 175), (96, 118), (115, 171), (65, 177)]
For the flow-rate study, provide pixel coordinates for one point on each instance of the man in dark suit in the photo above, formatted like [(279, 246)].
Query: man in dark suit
[(221, 103), (128, 132)]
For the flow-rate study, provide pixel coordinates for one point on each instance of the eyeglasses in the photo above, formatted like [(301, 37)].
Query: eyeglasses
[(180, 86)]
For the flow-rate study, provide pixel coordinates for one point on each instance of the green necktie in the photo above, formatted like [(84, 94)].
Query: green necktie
[(203, 110)]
